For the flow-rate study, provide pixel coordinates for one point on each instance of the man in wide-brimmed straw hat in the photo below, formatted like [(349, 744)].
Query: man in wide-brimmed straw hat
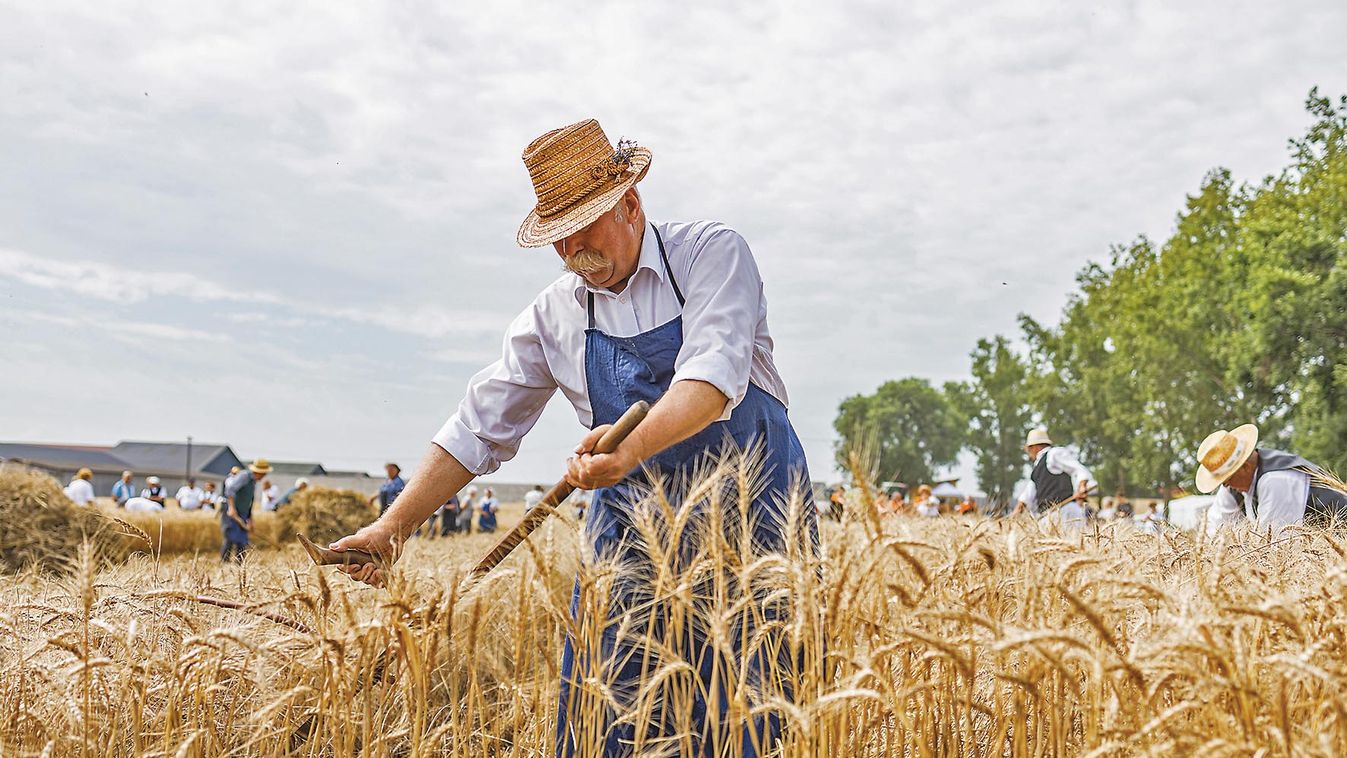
[(1058, 477), (668, 312), (1271, 488), (236, 518)]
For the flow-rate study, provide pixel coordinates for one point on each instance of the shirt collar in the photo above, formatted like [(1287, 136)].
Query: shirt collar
[(648, 260), (1041, 453)]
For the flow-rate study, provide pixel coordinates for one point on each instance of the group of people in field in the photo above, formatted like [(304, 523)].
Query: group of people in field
[(456, 515), (1266, 486), (153, 496)]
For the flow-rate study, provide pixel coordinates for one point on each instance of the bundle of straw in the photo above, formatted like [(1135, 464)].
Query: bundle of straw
[(42, 527), (323, 514)]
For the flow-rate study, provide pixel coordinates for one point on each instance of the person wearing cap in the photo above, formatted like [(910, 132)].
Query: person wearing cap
[(301, 484), (236, 520), (154, 491), (81, 489), (1269, 487), (1057, 478), (392, 486), (672, 313), (123, 489), (189, 496)]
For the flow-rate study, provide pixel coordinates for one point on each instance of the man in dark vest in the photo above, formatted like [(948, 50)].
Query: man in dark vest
[(1057, 477), (1271, 488), (236, 519)]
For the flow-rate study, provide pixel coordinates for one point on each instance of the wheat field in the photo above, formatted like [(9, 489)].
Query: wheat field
[(913, 637)]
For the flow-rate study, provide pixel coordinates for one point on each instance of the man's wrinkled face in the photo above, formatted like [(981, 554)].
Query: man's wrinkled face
[(605, 252)]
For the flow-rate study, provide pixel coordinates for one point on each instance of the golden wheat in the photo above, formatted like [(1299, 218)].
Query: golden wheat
[(922, 637)]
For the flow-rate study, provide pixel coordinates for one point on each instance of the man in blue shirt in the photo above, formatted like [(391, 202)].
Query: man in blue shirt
[(123, 490), (390, 489)]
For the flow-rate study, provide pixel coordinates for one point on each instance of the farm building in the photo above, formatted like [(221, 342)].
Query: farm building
[(167, 460)]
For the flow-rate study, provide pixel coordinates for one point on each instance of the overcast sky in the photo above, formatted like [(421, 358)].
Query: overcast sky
[(290, 226)]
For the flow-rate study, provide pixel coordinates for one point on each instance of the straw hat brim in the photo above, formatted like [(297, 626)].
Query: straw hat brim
[(259, 469), (536, 231), (1206, 481)]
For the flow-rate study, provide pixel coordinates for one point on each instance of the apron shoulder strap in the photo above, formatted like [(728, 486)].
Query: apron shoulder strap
[(668, 271)]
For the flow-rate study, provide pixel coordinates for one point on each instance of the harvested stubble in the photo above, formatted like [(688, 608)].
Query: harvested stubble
[(945, 637)]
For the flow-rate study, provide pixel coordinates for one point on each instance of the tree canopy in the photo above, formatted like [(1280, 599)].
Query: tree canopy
[(1239, 316)]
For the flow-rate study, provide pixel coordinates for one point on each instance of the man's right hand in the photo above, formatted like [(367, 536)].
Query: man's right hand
[(377, 539)]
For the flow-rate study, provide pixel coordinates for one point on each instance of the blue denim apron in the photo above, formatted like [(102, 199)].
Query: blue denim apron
[(619, 372)]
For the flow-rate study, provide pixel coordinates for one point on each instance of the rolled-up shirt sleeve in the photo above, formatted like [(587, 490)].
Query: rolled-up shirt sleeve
[(1063, 461), (1028, 495), (503, 401), (724, 297)]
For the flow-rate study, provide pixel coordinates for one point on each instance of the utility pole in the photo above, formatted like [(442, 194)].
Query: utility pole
[(187, 473)]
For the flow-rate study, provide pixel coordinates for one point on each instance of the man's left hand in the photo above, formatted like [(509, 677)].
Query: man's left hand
[(590, 471)]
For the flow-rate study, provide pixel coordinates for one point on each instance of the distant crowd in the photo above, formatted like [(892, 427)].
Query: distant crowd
[(923, 504), (152, 496)]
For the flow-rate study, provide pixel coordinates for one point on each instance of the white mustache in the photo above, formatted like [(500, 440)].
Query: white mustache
[(584, 263)]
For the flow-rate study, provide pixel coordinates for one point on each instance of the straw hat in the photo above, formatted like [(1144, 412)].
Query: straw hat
[(1037, 436), (84, 473), (151, 480), (260, 466), (1222, 453), (577, 175)]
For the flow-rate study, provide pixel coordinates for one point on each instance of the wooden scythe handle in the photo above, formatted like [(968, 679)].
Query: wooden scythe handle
[(562, 490)]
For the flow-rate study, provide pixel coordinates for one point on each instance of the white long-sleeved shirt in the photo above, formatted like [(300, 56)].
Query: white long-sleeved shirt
[(1281, 501), (189, 498), (725, 339), (80, 491), (1060, 461)]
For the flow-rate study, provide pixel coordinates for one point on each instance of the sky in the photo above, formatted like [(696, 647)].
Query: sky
[(289, 227)]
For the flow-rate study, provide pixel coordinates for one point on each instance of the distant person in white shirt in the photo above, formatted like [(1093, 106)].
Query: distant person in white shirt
[(1149, 520), (1271, 488), (533, 497), (143, 505), (209, 497), (270, 495), (81, 489), (1108, 509), (154, 490), (189, 496), (1057, 476), (926, 505)]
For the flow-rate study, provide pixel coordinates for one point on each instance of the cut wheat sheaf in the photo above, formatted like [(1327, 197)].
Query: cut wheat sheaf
[(922, 637)]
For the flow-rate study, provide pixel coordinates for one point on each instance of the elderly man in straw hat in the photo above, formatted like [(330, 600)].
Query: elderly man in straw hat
[(1271, 488), (236, 518), (670, 312), (1058, 477)]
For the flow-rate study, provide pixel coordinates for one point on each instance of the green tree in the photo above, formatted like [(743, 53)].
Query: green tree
[(910, 426), (996, 403), (1294, 244)]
